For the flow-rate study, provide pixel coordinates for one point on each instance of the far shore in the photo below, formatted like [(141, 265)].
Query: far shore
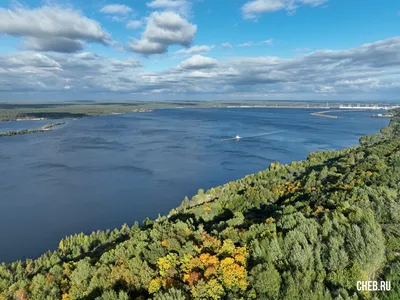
[(78, 110)]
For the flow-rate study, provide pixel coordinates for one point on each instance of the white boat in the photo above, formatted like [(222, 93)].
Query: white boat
[(232, 139)]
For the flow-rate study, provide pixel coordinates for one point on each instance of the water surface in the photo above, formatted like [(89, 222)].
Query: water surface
[(101, 172)]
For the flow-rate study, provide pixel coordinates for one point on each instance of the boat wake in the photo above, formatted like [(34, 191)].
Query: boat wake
[(252, 136)]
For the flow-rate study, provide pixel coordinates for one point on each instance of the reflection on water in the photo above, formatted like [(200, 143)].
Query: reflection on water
[(98, 173)]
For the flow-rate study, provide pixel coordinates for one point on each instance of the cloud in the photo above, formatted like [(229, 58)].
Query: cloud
[(134, 24), (253, 8), (80, 72), (370, 70), (181, 6), (52, 28), (163, 30), (55, 44), (250, 44), (267, 42), (166, 3), (226, 46), (116, 9), (195, 50), (359, 83), (197, 62)]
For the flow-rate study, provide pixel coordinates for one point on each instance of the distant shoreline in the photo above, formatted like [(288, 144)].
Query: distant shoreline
[(10, 111), (74, 110), (324, 113)]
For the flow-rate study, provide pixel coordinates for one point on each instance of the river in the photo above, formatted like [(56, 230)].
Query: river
[(101, 172)]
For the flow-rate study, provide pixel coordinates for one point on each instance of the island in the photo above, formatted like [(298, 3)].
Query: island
[(312, 229)]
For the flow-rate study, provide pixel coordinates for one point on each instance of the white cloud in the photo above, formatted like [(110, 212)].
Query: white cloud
[(134, 24), (118, 9), (198, 62), (119, 19), (250, 44), (51, 28), (195, 50), (55, 44), (166, 3), (147, 47), (360, 83), (162, 30), (226, 46), (181, 6), (253, 8), (267, 42), (368, 70)]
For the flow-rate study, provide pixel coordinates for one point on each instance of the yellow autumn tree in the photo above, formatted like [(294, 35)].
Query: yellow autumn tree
[(216, 269)]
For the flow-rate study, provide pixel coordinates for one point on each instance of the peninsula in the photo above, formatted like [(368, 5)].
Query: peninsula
[(30, 131)]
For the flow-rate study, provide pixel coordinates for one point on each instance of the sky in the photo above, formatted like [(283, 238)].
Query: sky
[(200, 50)]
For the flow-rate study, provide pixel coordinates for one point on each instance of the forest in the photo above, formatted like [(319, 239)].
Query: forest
[(308, 230)]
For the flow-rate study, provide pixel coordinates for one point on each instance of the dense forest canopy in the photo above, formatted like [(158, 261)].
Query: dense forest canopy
[(308, 230)]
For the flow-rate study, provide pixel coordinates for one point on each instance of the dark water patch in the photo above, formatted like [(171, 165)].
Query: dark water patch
[(158, 131), (149, 142), (275, 149), (175, 147), (46, 165), (132, 169), (91, 140), (4, 157), (111, 169), (90, 143), (93, 147), (252, 156), (227, 165)]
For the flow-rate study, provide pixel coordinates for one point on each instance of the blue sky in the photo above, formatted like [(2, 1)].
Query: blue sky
[(200, 49)]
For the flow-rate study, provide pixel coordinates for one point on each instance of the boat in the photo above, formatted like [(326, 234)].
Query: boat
[(236, 138)]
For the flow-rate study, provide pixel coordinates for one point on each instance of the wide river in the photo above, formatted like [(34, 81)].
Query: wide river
[(101, 172)]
